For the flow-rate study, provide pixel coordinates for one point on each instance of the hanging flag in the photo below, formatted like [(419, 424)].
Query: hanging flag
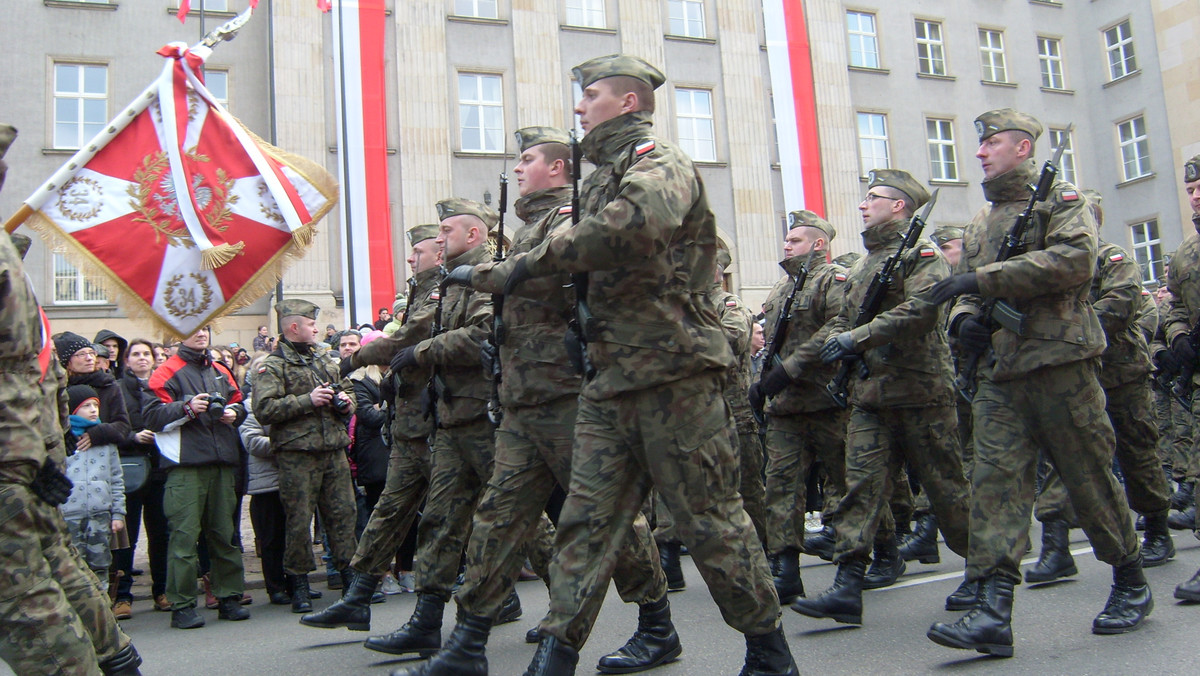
[(184, 212)]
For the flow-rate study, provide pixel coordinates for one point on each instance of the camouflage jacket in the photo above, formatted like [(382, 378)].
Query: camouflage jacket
[(281, 400), (903, 347), (454, 354), (817, 304), (648, 242), (1183, 305), (1049, 282), (533, 358), (22, 399), (737, 321), (1117, 296), (409, 420)]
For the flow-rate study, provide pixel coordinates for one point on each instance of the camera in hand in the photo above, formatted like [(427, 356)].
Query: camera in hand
[(216, 404), (340, 405)]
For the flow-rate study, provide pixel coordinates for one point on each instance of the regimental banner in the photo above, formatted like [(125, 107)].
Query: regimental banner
[(795, 104), (185, 213)]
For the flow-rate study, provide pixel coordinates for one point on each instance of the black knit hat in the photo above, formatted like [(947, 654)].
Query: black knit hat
[(77, 394), (67, 344)]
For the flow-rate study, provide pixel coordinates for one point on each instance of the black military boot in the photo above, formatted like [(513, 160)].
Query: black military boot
[(1129, 603), (1055, 561), (421, 634), (788, 584), (1190, 590), (533, 635), (965, 597), (1184, 495), (124, 662), (655, 642), (668, 555), (464, 652), (553, 658), (300, 597), (1185, 520), (768, 655), (842, 602), (922, 544), (230, 608), (510, 610), (353, 611), (988, 627), (887, 566), (821, 543), (1157, 546)]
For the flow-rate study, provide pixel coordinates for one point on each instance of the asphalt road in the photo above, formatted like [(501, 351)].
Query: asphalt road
[(1051, 623)]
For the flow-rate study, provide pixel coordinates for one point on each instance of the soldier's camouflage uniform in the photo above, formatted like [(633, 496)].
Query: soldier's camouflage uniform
[(1182, 313), (539, 391), (1041, 392), (1128, 314), (904, 410), (408, 470), (803, 423), (653, 415), (309, 444), (1173, 418)]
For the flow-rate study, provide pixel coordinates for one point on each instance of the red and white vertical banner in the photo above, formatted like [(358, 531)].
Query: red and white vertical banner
[(790, 63), (368, 273)]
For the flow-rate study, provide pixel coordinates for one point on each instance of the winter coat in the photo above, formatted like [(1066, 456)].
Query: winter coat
[(99, 485)]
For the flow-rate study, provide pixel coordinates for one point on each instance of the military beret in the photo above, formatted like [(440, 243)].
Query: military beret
[(7, 134), (21, 242), (529, 137), (916, 195), (795, 219), (420, 233), (617, 64), (946, 233), (297, 307), (1006, 119), (1191, 170), (457, 206), (67, 344), (848, 259)]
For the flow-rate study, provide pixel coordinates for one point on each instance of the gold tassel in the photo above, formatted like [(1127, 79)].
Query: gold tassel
[(303, 236), (219, 255)]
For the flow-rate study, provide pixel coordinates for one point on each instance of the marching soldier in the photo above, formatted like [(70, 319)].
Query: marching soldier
[(1038, 391)]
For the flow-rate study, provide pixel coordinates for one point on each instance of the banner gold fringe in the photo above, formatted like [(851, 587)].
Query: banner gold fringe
[(219, 255)]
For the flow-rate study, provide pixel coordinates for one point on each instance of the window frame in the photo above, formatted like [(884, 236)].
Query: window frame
[(81, 123), (931, 44), (1049, 61), (481, 104), (990, 53), (874, 40), (1152, 270), (685, 143), (597, 5), (1054, 135), (79, 281), (1109, 49), (932, 143), (687, 21), (885, 139), (1138, 142), (474, 14)]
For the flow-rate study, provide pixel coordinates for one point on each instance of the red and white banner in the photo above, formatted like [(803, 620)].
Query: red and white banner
[(186, 213), (368, 272)]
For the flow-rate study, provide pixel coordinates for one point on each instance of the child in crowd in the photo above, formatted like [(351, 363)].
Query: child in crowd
[(96, 508)]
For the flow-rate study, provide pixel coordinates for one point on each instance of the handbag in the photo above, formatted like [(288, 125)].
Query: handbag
[(136, 469)]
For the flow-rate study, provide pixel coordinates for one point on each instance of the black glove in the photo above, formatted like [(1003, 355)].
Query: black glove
[(51, 485), (488, 356), (1181, 355), (757, 398), (517, 277), (973, 334), (460, 275), (775, 381), (954, 285), (838, 347), (404, 359), (387, 388), (346, 366)]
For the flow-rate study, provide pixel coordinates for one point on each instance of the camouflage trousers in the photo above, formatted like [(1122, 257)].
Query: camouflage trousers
[(1058, 411), (90, 534), (1165, 425), (919, 504), (1174, 421), (679, 439), (1128, 408), (794, 444), (878, 444), (462, 464), (533, 451), (406, 485), (54, 619), (199, 501), (312, 482)]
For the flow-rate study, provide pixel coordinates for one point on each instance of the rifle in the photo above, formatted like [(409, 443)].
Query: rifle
[(994, 311), (872, 302), (576, 336), (436, 383), (396, 382), (498, 334), (779, 333)]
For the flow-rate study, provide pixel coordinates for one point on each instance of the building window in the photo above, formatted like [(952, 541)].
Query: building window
[(1135, 148), (864, 46), (931, 51), (1118, 40), (588, 13), (217, 82), (480, 9), (481, 113), (873, 142), (1066, 168), (1147, 250), (686, 18), (80, 103), (939, 135), (991, 55), (73, 287), (694, 115), (1050, 56)]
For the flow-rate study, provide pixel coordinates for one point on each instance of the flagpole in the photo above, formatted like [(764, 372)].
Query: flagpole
[(271, 106), (350, 300)]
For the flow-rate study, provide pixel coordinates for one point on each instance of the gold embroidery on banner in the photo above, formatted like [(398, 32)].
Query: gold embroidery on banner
[(154, 198), (80, 199), (182, 302), (267, 204)]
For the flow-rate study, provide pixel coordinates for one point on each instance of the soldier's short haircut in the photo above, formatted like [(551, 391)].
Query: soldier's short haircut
[(899, 194), (1018, 136), (551, 152), (623, 84)]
